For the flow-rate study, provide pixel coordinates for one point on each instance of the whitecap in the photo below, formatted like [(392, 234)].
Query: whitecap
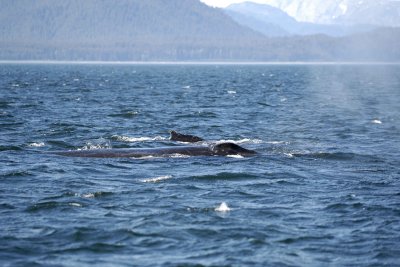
[(290, 155), (235, 156), (129, 139), (36, 144), (92, 146), (88, 195), (223, 208), (241, 141), (157, 179), (145, 157), (186, 87), (177, 155), (75, 204), (377, 121), (231, 92)]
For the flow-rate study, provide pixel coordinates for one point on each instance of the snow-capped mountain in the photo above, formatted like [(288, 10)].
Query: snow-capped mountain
[(266, 19), (348, 12), (272, 22)]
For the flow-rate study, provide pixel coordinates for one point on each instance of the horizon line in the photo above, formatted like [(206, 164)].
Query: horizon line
[(101, 62)]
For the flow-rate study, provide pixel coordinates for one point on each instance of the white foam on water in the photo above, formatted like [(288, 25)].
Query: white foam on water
[(75, 204), (145, 157), (235, 156), (36, 144), (223, 207), (289, 155), (177, 155), (100, 143), (88, 195), (241, 141), (377, 121), (157, 179), (129, 139), (231, 92), (90, 146)]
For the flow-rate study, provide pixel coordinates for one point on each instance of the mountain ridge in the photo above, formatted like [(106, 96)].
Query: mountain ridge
[(381, 13), (163, 30), (272, 21)]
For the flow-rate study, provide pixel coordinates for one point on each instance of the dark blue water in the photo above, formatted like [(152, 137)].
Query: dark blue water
[(324, 189)]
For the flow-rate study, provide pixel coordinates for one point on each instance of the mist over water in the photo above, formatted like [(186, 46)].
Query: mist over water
[(323, 189)]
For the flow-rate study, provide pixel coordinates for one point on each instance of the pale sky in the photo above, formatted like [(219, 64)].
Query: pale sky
[(225, 3)]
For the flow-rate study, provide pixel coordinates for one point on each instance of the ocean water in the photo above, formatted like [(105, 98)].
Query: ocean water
[(323, 190)]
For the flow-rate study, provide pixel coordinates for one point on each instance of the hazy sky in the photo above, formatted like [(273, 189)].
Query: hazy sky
[(225, 3)]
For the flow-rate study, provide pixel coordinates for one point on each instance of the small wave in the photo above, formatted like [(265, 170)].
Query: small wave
[(51, 205), (5, 114), (231, 92), (60, 144), (95, 194), (88, 195), (129, 139), (265, 104), (235, 156), (7, 206), (376, 121), (157, 179), (74, 204), (9, 148), (225, 176), (16, 173), (125, 114), (331, 156), (344, 207), (223, 208), (300, 239), (5, 104), (94, 147), (97, 144), (241, 141), (177, 155), (36, 144), (145, 157)]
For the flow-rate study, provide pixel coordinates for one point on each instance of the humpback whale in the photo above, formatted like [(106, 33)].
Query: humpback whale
[(174, 136), (218, 149)]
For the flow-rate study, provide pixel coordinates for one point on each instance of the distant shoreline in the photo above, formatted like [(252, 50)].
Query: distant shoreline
[(65, 62)]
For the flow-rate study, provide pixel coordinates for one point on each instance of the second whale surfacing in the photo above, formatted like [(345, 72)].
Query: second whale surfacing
[(218, 149)]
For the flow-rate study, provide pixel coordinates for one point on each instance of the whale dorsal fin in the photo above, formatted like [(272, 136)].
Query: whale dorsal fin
[(175, 136)]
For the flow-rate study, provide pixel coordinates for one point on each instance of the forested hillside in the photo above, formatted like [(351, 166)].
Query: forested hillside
[(163, 30)]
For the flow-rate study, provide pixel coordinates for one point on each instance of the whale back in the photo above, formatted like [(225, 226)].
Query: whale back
[(175, 136), (231, 149)]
